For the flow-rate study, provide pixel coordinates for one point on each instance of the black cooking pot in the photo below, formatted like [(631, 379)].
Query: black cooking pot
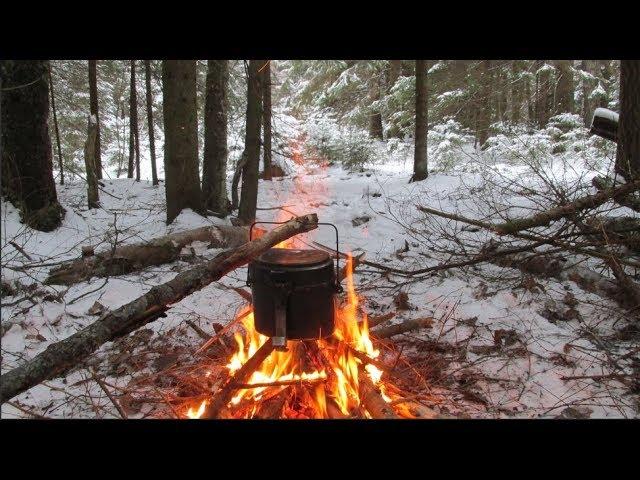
[(293, 294)]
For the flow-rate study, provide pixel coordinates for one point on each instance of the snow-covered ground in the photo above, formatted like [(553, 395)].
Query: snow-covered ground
[(499, 358)]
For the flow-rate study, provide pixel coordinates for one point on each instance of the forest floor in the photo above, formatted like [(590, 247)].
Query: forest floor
[(493, 351)]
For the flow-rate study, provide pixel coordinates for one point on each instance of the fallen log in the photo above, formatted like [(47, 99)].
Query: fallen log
[(225, 394), (129, 258), (582, 203), (61, 356), (403, 327)]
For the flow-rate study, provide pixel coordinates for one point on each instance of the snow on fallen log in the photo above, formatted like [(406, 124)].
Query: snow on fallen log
[(130, 258), (59, 357)]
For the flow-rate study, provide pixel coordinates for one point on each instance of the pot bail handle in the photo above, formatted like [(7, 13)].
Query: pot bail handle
[(338, 286)]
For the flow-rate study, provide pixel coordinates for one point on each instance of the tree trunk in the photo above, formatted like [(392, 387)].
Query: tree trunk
[(249, 193), (93, 107), (90, 162), (27, 170), (587, 87), (214, 166), (564, 87), (484, 107), (60, 357), (628, 152), (375, 117), (152, 142), (542, 93), (266, 120), (420, 160), (182, 182), (393, 73), (531, 111), (516, 92), (55, 126), (158, 251), (133, 115)]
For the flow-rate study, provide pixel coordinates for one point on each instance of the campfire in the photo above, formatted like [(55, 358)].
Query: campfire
[(277, 371)]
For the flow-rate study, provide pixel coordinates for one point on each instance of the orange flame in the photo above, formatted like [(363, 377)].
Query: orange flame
[(340, 382)]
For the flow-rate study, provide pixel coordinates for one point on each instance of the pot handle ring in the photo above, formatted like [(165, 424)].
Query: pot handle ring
[(338, 285)]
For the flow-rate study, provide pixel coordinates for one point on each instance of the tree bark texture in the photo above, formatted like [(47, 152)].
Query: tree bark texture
[(628, 152), (420, 161), (214, 165), (94, 110), (182, 182), (90, 162), (266, 121), (27, 169), (249, 192), (150, 128)]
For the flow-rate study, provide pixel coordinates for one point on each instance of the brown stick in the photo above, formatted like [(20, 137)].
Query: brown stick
[(109, 396), (373, 401), (129, 258), (225, 394), (377, 320), (403, 327), (20, 249), (59, 357)]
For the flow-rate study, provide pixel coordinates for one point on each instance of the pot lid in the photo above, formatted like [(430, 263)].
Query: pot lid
[(293, 257)]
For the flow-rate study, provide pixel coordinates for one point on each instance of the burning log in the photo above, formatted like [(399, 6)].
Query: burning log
[(373, 401), (59, 357), (130, 258), (224, 396)]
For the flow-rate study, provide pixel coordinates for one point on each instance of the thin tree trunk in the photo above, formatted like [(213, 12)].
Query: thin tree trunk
[(60, 357), (90, 162), (152, 142), (214, 165), (375, 117), (484, 110), (587, 85), (55, 126), (93, 106), (516, 92), (27, 170), (133, 114), (249, 193), (266, 119), (542, 93), (420, 161), (182, 182), (564, 87), (393, 74)]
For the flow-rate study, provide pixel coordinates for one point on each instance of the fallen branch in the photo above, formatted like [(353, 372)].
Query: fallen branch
[(403, 327), (129, 258), (61, 356), (533, 238), (604, 184), (570, 209)]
